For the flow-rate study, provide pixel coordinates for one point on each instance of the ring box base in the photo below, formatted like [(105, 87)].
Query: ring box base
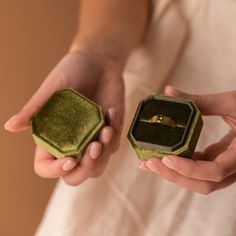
[(149, 140)]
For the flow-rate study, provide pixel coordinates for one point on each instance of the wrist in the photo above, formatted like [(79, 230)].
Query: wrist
[(102, 50)]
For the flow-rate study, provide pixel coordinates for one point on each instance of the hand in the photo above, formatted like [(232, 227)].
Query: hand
[(99, 79), (215, 167)]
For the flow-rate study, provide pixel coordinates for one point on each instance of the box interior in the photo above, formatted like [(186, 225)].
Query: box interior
[(160, 134)]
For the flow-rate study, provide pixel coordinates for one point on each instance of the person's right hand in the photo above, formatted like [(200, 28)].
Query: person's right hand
[(214, 167), (98, 78)]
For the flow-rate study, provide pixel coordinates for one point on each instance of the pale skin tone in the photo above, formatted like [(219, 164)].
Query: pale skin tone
[(108, 32), (213, 168), (93, 67)]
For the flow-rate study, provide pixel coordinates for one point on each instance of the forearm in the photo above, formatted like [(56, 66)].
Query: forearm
[(111, 28)]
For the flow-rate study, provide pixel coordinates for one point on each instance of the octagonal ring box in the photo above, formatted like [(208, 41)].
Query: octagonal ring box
[(165, 125), (67, 123)]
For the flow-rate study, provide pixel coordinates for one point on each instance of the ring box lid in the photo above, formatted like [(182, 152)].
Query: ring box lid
[(67, 123)]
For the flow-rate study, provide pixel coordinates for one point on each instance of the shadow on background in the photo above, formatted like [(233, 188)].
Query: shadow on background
[(34, 36)]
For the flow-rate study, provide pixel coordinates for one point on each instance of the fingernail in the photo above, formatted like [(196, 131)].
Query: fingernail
[(169, 87), (152, 167), (169, 162), (9, 122), (112, 114), (143, 166), (172, 90), (107, 135), (231, 119), (69, 165), (95, 150)]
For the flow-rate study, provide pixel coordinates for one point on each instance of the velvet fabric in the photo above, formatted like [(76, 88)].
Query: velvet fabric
[(66, 123), (157, 139)]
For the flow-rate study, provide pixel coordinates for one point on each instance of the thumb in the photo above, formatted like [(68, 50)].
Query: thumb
[(222, 104), (21, 120)]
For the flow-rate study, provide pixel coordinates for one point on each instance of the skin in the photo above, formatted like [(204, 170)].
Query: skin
[(94, 67), (215, 167)]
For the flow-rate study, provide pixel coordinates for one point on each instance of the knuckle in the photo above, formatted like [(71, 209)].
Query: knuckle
[(187, 171), (38, 171), (230, 106), (46, 171), (207, 189), (71, 182), (202, 99), (91, 167), (97, 174), (115, 143), (219, 174), (172, 178), (219, 177), (233, 96), (198, 99), (115, 147)]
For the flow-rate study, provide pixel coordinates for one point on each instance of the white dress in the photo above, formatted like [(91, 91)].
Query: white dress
[(191, 45)]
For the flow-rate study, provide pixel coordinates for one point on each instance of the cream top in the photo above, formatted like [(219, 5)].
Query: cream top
[(191, 45)]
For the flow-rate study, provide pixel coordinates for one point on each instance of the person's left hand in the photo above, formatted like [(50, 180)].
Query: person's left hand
[(215, 167), (99, 78)]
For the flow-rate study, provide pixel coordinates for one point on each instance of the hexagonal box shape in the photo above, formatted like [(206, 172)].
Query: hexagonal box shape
[(165, 125), (67, 123)]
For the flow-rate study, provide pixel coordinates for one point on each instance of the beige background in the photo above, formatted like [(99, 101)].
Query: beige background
[(34, 35)]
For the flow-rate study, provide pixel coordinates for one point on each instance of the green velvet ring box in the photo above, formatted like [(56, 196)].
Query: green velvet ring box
[(165, 125), (67, 123)]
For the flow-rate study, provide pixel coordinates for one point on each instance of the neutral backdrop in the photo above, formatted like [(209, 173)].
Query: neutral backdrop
[(34, 35)]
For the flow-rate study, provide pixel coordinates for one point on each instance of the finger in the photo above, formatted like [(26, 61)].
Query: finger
[(143, 166), (223, 166), (205, 165), (107, 139), (222, 104), (215, 149), (228, 181), (199, 186), (45, 165), (112, 119), (113, 133), (87, 167), (227, 160), (106, 135), (91, 168), (199, 169), (231, 121), (108, 149), (21, 120), (198, 156), (115, 123)]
